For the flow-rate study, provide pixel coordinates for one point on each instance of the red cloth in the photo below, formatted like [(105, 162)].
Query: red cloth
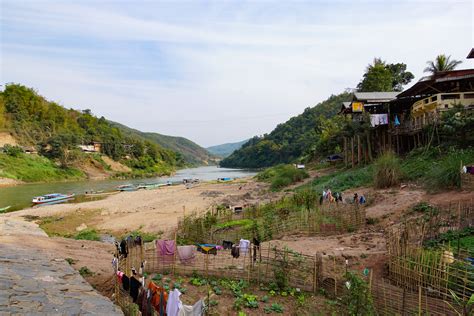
[(155, 294)]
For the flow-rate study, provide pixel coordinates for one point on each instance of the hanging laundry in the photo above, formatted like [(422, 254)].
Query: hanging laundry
[(244, 245), (149, 245), (378, 119), (159, 297), (138, 241), (397, 121), (123, 248), (192, 310), (235, 251), (119, 275), (227, 244), (186, 254), (174, 303), (135, 285), (166, 247), (125, 282), (207, 249), (115, 263)]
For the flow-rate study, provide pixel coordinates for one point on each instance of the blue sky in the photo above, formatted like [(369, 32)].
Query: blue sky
[(220, 71)]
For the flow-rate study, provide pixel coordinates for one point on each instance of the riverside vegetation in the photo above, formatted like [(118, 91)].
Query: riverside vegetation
[(55, 132)]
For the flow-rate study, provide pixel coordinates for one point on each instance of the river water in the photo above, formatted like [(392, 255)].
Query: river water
[(20, 196)]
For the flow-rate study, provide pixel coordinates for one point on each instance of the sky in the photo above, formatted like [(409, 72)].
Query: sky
[(219, 71)]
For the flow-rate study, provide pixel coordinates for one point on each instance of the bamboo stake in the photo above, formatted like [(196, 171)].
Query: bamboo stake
[(419, 300)]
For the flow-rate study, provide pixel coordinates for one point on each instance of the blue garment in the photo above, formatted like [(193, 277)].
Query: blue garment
[(397, 121)]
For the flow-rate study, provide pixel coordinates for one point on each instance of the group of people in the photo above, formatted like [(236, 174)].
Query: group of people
[(358, 199), (330, 197)]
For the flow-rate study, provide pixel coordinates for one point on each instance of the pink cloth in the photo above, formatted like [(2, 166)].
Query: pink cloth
[(165, 247), (119, 275)]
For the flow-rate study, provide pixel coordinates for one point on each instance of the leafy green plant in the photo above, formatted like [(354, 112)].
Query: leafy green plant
[(85, 272), (197, 281), (264, 298), (357, 298), (71, 261), (250, 301), (277, 308), (467, 307)]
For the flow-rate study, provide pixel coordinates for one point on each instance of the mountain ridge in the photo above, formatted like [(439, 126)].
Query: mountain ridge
[(226, 149)]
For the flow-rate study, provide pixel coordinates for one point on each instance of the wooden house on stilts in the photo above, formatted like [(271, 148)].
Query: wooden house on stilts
[(397, 121)]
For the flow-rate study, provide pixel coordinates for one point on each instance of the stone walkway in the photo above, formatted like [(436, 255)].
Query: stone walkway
[(34, 283)]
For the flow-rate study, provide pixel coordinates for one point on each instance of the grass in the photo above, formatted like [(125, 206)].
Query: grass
[(34, 168), (387, 171), (342, 180), (281, 176), (435, 169), (88, 234), (65, 225), (245, 223), (146, 237)]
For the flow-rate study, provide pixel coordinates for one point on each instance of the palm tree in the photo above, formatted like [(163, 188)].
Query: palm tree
[(441, 63)]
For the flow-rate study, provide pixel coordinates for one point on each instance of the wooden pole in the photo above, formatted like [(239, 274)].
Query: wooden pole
[(359, 151), (345, 152), (352, 152), (419, 300)]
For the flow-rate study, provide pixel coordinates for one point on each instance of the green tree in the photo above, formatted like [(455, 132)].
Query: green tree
[(441, 63), (380, 76)]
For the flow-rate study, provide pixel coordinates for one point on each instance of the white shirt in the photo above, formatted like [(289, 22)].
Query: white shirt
[(174, 303), (244, 245)]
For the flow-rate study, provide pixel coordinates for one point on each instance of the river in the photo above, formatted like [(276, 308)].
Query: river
[(20, 196)]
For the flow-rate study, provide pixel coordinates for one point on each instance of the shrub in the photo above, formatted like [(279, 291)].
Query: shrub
[(358, 299), (85, 272), (88, 234), (13, 151), (387, 171), (281, 176)]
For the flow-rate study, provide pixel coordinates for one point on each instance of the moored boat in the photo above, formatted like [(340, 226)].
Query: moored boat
[(127, 187), (52, 198), (3, 209)]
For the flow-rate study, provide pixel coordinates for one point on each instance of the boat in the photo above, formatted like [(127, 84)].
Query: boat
[(224, 179), (100, 193), (3, 209), (127, 187), (52, 198)]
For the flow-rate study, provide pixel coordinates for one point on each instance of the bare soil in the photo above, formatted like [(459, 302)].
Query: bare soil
[(154, 210)]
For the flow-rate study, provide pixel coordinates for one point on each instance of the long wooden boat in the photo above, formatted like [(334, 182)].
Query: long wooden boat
[(52, 198), (101, 193), (127, 187)]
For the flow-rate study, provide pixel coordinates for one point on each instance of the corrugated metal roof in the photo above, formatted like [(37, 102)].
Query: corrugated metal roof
[(375, 96), (471, 54), (347, 104)]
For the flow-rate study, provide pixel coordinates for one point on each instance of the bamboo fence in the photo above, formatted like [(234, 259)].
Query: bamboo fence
[(441, 271), (332, 220)]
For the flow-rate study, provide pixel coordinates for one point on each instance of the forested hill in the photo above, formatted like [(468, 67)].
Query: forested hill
[(289, 141), (225, 150), (191, 153), (55, 132)]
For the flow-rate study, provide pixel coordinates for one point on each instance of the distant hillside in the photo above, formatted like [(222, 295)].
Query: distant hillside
[(289, 141), (191, 153), (225, 150), (56, 132)]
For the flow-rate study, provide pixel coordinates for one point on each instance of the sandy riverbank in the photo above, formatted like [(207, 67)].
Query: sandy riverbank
[(7, 182), (153, 210)]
